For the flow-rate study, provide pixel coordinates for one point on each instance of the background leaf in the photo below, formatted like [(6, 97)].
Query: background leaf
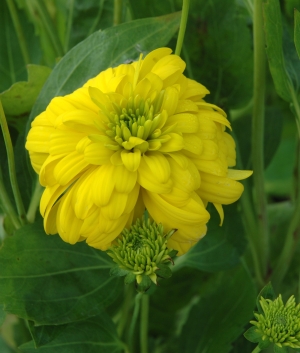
[(53, 282), (218, 319), (94, 335), (104, 49), (20, 97), (222, 246)]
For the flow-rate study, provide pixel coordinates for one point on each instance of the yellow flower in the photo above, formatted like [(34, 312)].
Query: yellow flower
[(135, 136)]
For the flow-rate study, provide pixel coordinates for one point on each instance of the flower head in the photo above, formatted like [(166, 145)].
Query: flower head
[(279, 323), (136, 136), (141, 253)]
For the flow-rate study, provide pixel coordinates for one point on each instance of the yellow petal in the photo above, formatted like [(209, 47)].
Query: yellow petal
[(37, 160), (214, 116), (124, 179), (193, 143), (215, 167), (97, 154), (131, 160), (116, 206), (47, 176), (68, 167), (158, 165), (220, 210), (103, 185), (170, 100), (175, 143), (185, 122), (186, 106), (210, 150), (220, 190), (38, 139), (64, 142), (151, 59), (194, 91), (238, 174)]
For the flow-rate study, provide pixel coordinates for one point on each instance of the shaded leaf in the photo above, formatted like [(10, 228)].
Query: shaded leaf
[(252, 335), (218, 319), (12, 65), (93, 335), (297, 31), (20, 97), (267, 293), (53, 282), (220, 249), (274, 49), (104, 49)]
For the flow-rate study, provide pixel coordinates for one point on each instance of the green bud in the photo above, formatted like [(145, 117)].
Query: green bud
[(141, 254)]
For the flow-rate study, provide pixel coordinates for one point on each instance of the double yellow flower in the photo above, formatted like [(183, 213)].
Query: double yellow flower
[(136, 136)]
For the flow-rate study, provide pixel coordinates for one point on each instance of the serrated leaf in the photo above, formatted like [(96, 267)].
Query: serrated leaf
[(267, 293), (20, 97), (164, 271), (221, 247), (252, 335), (218, 319), (53, 282), (93, 335), (104, 49), (274, 49)]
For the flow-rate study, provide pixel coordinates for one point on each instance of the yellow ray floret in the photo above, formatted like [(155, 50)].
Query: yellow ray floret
[(136, 136)]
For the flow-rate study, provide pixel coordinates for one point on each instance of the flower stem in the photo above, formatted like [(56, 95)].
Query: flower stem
[(125, 309), (69, 25), (137, 304), (183, 21), (7, 207), (118, 7), (291, 239), (49, 26), (262, 236), (144, 324), (11, 167), (19, 31), (34, 202)]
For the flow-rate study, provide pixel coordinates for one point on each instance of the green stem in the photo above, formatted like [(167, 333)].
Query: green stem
[(183, 21), (256, 350), (137, 304), (7, 207), (291, 239), (11, 166), (69, 26), (144, 324), (236, 114), (262, 236), (19, 31), (125, 309), (34, 202), (118, 8), (49, 26)]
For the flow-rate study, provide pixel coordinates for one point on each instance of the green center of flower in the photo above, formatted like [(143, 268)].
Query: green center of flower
[(142, 249), (280, 323)]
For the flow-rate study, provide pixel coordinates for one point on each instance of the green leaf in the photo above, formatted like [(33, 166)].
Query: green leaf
[(278, 349), (221, 247), (297, 31), (274, 49), (218, 319), (164, 271), (13, 67), (104, 49), (141, 8), (2, 315), (20, 97), (93, 335), (252, 335), (267, 293), (53, 282)]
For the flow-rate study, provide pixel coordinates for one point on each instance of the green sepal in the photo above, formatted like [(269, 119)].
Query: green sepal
[(278, 349), (264, 344), (173, 253), (130, 277), (117, 271), (267, 293), (164, 271), (144, 285), (252, 335)]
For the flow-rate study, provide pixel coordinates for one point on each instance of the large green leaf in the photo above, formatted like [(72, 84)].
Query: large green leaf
[(274, 48), (53, 282), (104, 49), (222, 246), (297, 31), (95, 334), (218, 319), (20, 97)]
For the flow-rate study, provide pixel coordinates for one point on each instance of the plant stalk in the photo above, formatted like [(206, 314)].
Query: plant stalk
[(11, 167), (144, 324), (34, 202), (118, 7), (262, 236), (136, 310), (183, 22)]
